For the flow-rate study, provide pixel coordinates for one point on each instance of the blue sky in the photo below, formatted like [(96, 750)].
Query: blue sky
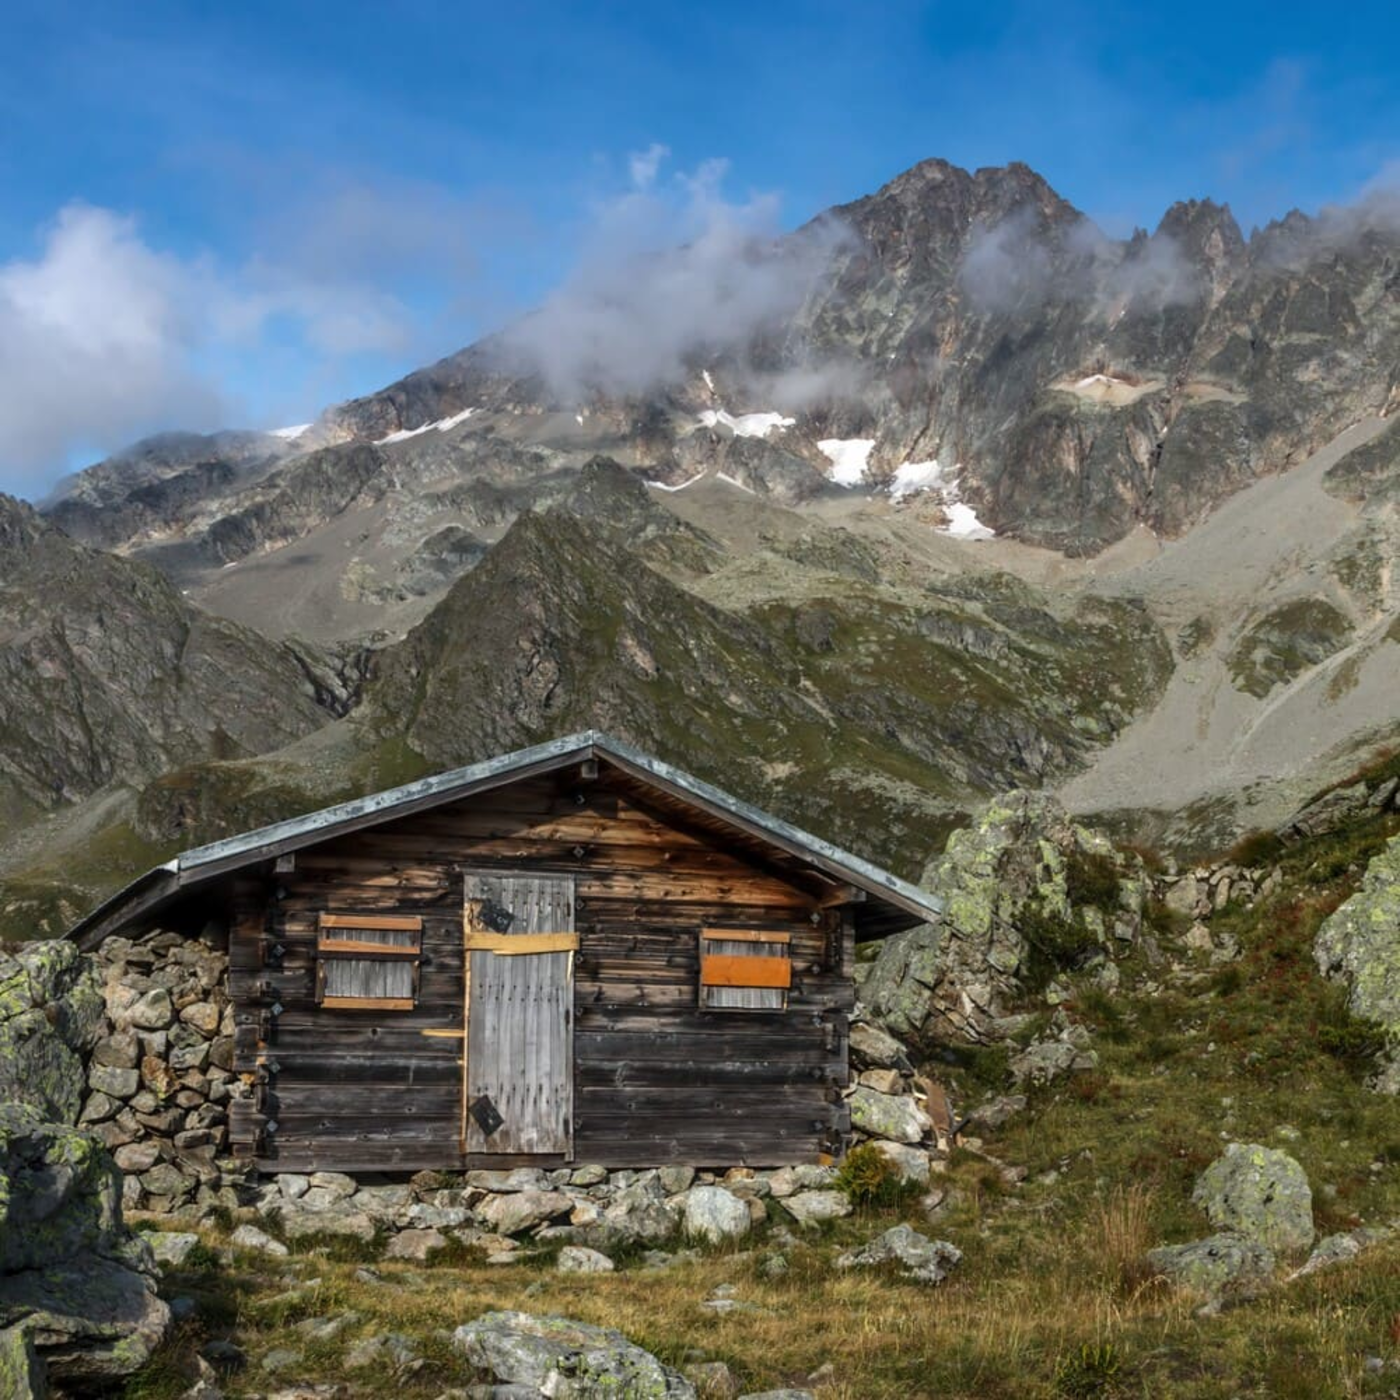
[(239, 213)]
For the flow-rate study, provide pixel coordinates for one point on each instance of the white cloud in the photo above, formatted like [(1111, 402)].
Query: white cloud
[(669, 275), (97, 339), (104, 337), (643, 165)]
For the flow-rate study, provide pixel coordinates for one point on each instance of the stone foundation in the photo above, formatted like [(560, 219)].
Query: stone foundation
[(160, 1080)]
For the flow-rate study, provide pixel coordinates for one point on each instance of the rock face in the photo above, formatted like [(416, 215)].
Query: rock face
[(50, 1016), (1028, 892), (1358, 945), (77, 1282), (1259, 1193), (567, 1360)]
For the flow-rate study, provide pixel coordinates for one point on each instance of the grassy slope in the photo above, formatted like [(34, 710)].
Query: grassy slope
[(1051, 1299)]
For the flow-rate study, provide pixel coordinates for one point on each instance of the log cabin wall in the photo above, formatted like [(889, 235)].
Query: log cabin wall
[(656, 1078)]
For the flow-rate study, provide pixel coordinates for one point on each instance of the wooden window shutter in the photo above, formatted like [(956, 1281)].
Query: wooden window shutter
[(368, 962), (744, 969)]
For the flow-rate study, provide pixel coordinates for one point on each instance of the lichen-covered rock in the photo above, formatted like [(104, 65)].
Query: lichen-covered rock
[(874, 1048), (1027, 891), (81, 1286), (578, 1259), (920, 1258), (816, 1207), (1359, 945), (1259, 1193), (566, 1360), (1222, 1266), (896, 1117), (50, 1018), (714, 1214), (22, 1373)]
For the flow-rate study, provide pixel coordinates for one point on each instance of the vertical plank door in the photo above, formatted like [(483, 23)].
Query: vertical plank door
[(519, 1082)]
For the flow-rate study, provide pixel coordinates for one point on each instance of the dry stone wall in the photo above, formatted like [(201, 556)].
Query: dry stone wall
[(160, 1077)]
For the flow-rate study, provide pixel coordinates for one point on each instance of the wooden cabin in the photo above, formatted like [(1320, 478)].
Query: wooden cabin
[(573, 953)]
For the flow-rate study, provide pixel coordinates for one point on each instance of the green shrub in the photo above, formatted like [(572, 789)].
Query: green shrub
[(869, 1178), (1090, 1371)]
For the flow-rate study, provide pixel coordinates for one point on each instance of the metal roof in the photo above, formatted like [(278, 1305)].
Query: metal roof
[(204, 863)]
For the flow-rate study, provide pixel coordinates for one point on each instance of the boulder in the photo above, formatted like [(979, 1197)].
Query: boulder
[(1222, 1266), (815, 1207), (1357, 946), (418, 1245), (81, 1285), (523, 1210), (1259, 1193), (302, 1225), (896, 1117), (919, 1258), (50, 1018), (565, 1360), (714, 1214), (250, 1237), (1027, 892), (576, 1259)]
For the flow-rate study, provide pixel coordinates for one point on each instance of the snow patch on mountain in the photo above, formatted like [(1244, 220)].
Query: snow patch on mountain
[(295, 431), (849, 458), (443, 425), (914, 478), (758, 425)]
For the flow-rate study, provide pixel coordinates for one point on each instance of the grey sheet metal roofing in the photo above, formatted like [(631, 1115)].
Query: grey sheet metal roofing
[(203, 863)]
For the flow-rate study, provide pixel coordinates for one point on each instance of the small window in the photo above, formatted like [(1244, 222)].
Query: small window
[(744, 970), (364, 963)]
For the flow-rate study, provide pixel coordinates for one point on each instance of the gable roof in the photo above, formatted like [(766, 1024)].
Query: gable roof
[(900, 903)]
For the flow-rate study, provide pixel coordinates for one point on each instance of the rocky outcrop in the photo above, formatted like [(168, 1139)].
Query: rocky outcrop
[(564, 1359), (51, 1014), (1028, 893), (1358, 946), (78, 1284)]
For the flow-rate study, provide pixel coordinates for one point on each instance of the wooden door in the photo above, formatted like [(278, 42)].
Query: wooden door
[(519, 1075)]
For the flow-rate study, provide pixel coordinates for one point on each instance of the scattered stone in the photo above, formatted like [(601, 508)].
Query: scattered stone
[(1260, 1193), (369, 1351), (920, 1258), (778, 1395), (280, 1359), (170, 1249), (1220, 1267), (712, 1379), (996, 1113), (250, 1237), (1337, 1249), (325, 1329), (418, 1245), (566, 1360), (577, 1259), (715, 1214), (815, 1207)]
